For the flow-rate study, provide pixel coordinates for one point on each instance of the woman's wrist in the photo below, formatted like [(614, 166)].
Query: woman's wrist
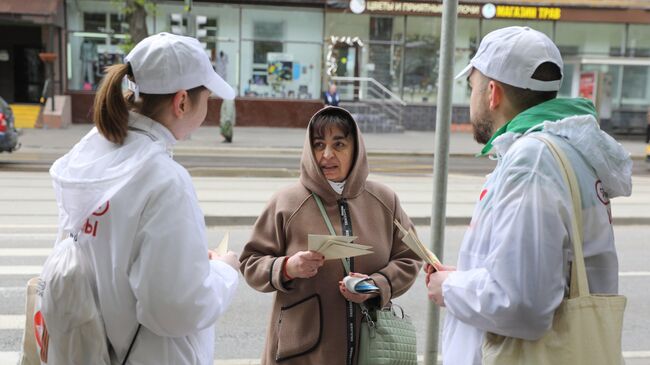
[(285, 274)]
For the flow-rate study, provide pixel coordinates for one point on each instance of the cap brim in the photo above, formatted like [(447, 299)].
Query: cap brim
[(219, 87), (465, 73)]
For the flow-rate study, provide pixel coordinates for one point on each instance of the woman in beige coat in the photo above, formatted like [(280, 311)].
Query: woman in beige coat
[(312, 309)]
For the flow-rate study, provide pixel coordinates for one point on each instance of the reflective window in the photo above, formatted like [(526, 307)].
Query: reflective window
[(589, 39), (638, 41), (421, 59), (281, 53)]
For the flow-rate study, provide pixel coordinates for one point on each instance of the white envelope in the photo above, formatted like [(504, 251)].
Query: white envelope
[(222, 249), (413, 242), (336, 247), (315, 241)]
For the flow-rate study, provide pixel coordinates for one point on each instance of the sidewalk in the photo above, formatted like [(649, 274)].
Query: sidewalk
[(254, 140)]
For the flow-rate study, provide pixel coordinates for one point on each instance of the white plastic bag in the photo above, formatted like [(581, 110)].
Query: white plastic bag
[(67, 319)]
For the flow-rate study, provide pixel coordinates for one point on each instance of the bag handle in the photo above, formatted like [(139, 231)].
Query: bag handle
[(579, 285)]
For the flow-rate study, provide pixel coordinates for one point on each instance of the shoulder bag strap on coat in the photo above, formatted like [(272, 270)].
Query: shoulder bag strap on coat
[(346, 264), (579, 285), (128, 352)]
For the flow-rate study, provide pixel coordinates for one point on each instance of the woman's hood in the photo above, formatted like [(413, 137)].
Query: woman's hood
[(95, 169), (311, 175)]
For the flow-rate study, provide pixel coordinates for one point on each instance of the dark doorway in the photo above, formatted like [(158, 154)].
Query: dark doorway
[(21, 71), (28, 74)]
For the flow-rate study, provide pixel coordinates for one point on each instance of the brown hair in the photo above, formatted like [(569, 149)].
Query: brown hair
[(523, 99), (111, 106), (332, 118)]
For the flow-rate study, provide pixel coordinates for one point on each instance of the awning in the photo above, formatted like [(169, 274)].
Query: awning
[(38, 12)]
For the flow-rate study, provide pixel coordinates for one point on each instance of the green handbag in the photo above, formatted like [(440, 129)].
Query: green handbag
[(386, 337)]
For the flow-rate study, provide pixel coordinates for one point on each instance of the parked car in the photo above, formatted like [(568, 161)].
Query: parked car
[(8, 132)]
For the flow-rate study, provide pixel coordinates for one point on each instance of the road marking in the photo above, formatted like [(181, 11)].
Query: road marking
[(12, 290), (12, 322), (35, 236), (27, 227), (9, 357), (634, 273), (24, 252), (20, 270)]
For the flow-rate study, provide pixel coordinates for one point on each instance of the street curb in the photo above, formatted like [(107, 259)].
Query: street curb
[(242, 172)]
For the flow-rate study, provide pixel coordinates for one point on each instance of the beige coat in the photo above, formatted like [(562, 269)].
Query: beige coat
[(308, 318)]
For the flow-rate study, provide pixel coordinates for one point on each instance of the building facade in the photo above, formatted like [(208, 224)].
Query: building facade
[(280, 54)]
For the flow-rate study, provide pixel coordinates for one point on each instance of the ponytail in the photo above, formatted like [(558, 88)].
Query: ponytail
[(111, 108), (111, 111)]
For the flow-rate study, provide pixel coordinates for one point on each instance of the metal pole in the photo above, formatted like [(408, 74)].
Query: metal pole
[(50, 66), (441, 157), (191, 24)]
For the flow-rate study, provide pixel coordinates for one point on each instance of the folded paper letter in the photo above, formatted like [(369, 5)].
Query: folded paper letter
[(336, 247), (222, 249), (411, 239)]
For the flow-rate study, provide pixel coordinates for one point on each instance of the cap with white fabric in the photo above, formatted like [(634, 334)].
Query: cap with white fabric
[(165, 63), (511, 55)]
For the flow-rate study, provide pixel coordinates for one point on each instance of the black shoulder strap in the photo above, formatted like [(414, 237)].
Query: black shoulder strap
[(131, 345)]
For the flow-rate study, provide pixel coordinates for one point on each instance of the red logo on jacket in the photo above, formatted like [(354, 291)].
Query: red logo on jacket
[(602, 196)]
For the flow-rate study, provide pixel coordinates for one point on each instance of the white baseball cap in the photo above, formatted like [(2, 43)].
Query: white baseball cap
[(511, 55), (165, 63)]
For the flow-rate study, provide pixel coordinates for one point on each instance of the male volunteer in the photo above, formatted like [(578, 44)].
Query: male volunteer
[(514, 261)]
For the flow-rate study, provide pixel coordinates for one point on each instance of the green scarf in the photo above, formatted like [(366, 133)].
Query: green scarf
[(552, 111)]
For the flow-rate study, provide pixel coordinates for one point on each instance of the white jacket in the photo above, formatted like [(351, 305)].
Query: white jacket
[(513, 262), (143, 229)]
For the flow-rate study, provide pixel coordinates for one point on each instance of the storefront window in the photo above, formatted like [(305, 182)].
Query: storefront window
[(638, 41), (421, 59), (467, 41), (589, 39), (221, 38), (610, 79), (637, 84), (281, 53), (95, 46), (385, 51)]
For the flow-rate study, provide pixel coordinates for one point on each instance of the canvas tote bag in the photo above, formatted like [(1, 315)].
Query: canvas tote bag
[(586, 328)]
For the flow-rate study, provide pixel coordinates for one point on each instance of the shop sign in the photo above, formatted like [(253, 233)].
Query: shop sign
[(490, 11), (587, 87), (418, 8)]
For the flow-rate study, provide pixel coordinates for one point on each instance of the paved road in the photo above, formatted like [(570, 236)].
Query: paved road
[(27, 198), (275, 164), (287, 164), (240, 332)]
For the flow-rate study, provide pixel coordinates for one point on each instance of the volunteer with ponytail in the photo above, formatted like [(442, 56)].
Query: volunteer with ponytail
[(136, 212)]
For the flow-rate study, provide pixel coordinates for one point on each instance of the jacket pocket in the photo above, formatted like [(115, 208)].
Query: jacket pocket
[(299, 328)]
